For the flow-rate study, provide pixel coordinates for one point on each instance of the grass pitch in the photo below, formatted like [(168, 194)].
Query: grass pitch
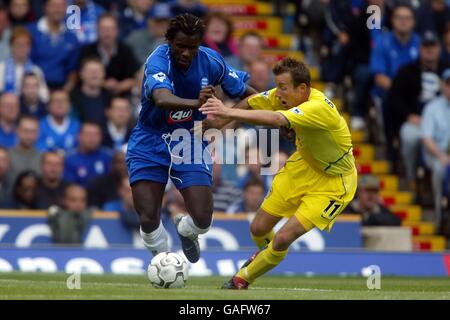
[(108, 286)]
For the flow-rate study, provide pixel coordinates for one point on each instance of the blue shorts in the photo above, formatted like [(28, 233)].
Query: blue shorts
[(152, 156)]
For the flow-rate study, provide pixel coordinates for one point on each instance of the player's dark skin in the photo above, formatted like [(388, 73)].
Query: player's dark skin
[(147, 195)]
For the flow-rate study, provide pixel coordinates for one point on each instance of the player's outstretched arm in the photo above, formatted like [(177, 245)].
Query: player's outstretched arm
[(165, 99), (262, 117)]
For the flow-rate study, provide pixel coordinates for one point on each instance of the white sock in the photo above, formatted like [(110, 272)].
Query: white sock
[(156, 241), (187, 228)]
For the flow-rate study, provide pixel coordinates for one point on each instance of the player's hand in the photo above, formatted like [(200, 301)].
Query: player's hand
[(288, 134), (214, 107), (206, 93)]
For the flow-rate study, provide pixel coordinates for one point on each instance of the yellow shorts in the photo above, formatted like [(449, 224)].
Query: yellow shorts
[(300, 190)]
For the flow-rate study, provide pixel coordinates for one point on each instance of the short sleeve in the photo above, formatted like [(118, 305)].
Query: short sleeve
[(233, 81), (264, 101), (157, 71)]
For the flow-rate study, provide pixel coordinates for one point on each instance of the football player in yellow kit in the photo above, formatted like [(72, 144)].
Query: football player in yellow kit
[(318, 180)]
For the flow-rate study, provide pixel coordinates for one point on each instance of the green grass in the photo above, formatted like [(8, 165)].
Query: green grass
[(53, 286)]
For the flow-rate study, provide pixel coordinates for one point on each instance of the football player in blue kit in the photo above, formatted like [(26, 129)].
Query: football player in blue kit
[(179, 77)]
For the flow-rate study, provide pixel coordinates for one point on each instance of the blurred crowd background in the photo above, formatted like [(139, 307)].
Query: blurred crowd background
[(70, 98)]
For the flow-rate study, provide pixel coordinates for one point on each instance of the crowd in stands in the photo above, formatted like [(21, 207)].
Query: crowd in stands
[(70, 96)]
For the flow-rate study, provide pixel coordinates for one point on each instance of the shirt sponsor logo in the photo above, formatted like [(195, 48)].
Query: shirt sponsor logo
[(179, 116)]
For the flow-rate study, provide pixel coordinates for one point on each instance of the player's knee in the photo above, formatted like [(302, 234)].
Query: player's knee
[(281, 241), (258, 229), (204, 220), (202, 216), (149, 222)]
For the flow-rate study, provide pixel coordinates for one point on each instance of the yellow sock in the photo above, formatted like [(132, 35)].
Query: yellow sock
[(265, 261), (263, 241)]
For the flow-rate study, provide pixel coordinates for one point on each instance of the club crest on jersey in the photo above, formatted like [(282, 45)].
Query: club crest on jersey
[(298, 111), (160, 76), (204, 82), (179, 116)]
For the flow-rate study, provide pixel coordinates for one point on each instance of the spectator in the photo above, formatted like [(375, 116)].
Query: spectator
[(104, 188), (89, 160), (9, 113), (54, 48), (25, 156), (359, 49), (144, 41), (436, 140), (250, 49), (20, 13), (69, 222), (118, 58), (24, 194), (218, 36), (432, 15), (124, 206), (5, 33), (13, 69), (394, 49), (90, 13), (51, 187), (415, 85), (252, 170), (224, 191), (118, 126), (58, 131), (193, 7), (90, 99), (260, 76), (135, 16), (5, 178), (446, 44), (252, 198), (369, 206), (32, 101)]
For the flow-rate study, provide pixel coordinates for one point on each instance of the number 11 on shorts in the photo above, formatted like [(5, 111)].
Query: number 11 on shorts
[(331, 209)]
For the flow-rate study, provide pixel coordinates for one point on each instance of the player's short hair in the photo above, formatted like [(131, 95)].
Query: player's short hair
[(186, 23), (298, 70)]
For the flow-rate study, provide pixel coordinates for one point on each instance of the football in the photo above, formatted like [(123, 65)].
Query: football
[(168, 270)]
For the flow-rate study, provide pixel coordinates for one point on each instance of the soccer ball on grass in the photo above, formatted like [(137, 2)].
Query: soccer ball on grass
[(168, 270)]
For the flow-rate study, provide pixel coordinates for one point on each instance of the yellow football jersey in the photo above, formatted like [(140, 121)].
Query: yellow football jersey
[(322, 135), (265, 101)]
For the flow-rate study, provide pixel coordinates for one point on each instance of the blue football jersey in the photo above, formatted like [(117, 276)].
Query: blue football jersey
[(207, 68)]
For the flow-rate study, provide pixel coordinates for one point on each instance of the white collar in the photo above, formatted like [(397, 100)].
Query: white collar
[(58, 128), (115, 133), (42, 26)]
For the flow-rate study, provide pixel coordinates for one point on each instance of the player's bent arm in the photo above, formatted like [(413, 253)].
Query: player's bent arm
[(165, 99), (249, 91), (258, 117)]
